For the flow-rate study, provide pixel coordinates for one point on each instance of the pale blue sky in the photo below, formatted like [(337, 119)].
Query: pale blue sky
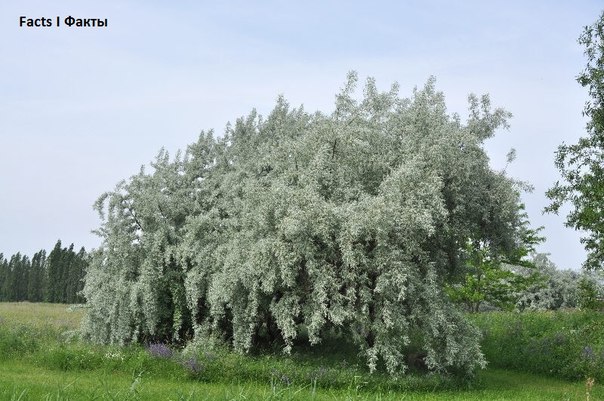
[(81, 109)]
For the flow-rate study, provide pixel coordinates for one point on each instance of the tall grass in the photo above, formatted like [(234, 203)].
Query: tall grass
[(565, 344)]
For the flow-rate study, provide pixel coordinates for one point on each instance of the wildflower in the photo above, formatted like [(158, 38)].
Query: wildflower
[(160, 350), (193, 365), (117, 356), (588, 352)]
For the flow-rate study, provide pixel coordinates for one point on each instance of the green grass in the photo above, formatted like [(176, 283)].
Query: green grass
[(37, 362), (36, 383)]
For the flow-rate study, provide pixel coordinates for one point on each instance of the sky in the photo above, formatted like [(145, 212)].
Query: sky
[(83, 108)]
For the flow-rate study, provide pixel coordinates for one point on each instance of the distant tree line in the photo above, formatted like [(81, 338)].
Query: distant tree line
[(55, 277)]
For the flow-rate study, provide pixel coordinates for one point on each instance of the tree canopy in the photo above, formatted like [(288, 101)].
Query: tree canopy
[(495, 279), (300, 225), (582, 164)]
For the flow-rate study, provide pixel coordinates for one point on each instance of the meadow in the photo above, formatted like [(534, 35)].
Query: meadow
[(42, 358)]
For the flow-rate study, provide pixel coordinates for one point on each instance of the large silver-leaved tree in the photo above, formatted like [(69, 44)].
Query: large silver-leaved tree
[(304, 225)]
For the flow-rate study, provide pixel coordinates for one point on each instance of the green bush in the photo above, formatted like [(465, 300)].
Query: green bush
[(565, 344), (17, 341)]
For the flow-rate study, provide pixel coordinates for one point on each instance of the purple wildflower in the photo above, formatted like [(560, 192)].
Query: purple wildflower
[(160, 350), (588, 352), (193, 365)]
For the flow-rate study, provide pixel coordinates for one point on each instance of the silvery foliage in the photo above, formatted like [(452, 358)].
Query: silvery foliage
[(557, 289), (306, 224)]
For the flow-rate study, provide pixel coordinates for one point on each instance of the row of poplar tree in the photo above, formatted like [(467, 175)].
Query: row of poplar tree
[(54, 277)]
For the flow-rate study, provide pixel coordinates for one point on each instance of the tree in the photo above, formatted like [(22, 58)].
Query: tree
[(65, 271), (54, 267), (36, 282), (555, 289), (582, 164), (58, 278), (15, 275), (76, 277), (4, 277), (300, 226), (22, 268), (591, 291), (496, 280)]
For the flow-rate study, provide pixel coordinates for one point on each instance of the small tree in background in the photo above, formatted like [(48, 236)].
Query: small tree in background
[(494, 280)]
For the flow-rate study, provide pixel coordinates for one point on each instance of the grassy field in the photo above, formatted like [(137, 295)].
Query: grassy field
[(26, 382), (39, 362), (40, 315)]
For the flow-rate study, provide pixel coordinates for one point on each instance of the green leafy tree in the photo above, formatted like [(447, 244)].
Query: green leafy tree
[(582, 164), (495, 280), (486, 283), (298, 226), (591, 292)]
